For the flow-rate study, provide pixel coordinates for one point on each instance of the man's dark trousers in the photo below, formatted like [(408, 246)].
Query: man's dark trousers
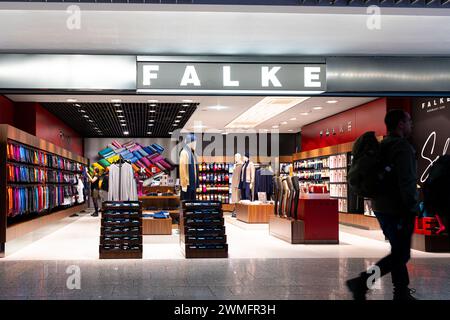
[(398, 230)]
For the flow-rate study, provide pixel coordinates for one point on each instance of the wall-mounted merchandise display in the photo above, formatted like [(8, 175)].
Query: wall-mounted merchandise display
[(214, 182), (121, 230), (202, 230)]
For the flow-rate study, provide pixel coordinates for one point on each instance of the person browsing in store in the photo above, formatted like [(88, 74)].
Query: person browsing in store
[(395, 208), (95, 189)]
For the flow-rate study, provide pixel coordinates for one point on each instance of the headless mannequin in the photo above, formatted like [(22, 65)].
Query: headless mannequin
[(235, 191), (188, 171), (247, 180)]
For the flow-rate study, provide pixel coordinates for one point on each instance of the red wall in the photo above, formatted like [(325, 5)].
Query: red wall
[(6, 111), (347, 125), (51, 128), (31, 117)]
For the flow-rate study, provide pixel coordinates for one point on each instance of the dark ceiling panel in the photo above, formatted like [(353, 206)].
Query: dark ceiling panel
[(141, 119)]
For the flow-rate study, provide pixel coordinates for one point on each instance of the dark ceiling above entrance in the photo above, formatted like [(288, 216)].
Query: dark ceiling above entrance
[(123, 119)]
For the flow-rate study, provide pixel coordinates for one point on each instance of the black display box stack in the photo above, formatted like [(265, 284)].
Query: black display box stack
[(202, 230), (121, 230)]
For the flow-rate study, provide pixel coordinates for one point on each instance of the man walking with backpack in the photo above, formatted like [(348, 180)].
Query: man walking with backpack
[(395, 206)]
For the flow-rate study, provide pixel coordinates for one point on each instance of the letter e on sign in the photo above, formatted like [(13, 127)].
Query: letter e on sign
[(312, 77)]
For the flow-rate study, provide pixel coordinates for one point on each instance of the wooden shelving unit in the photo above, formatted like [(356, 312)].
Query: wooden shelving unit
[(8, 233)]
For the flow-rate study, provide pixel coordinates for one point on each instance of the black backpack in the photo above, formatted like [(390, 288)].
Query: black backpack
[(436, 189), (368, 173)]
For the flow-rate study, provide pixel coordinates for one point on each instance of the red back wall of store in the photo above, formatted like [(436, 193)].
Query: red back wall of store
[(6, 111), (347, 125)]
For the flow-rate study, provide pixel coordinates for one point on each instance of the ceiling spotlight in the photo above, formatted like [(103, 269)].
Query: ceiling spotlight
[(182, 111), (284, 122), (120, 116), (81, 110), (123, 120), (123, 124), (177, 121), (290, 130), (332, 101), (187, 101), (153, 105), (293, 119), (149, 132), (119, 111), (174, 124), (126, 133), (275, 127), (218, 107), (224, 133), (170, 132), (151, 120), (116, 100), (71, 100), (152, 111), (77, 105), (150, 124), (86, 116), (91, 120), (117, 104), (153, 101), (318, 108), (304, 113), (179, 116)]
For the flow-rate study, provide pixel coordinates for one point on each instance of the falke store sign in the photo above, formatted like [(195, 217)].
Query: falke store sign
[(431, 132), (230, 78)]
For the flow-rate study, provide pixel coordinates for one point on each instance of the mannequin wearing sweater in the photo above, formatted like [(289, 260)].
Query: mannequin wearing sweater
[(235, 191), (189, 169), (247, 181)]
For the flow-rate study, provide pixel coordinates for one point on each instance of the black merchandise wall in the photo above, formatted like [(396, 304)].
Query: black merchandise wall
[(431, 131)]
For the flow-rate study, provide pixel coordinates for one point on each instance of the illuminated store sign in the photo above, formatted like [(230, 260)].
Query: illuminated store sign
[(232, 78)]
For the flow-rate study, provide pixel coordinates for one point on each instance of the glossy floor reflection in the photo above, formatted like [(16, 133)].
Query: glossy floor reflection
[(259, 279)]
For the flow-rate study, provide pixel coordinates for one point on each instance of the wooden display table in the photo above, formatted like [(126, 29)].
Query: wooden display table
[(254, 213), (152, 226), (318, 222)]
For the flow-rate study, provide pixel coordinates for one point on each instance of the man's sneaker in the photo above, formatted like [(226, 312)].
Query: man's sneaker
[(404, 294), (94, 215), (358, 287)]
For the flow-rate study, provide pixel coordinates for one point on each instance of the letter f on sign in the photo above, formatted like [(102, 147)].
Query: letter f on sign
[(148, 73)]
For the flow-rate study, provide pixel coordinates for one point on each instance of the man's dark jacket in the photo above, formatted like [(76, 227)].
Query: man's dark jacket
[(399, 195)]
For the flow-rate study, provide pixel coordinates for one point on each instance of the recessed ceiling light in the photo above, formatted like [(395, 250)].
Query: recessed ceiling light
[(304, 113), (224, 133), (119, 111), (152, 111), (332, 101), (187, 101), (117, 104), (275, 127), (182, 111), (153, 105), (152, 101), (77, 105), (264, 110), (123, 120), (293, 119), (318, 108), (126, 133), (185, 105), (218, 107), (174, 124), (177, 121), (81, 110), (123, 124), (179, 116), (290, 130), (284, 122), (151, 120), (71, 100), (91, 120), (116, 100), (120, 116), (170, 132), (86, 116), (150, 124), (149, 132)]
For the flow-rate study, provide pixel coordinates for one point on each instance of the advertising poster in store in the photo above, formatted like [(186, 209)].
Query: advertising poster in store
[(431, 134)]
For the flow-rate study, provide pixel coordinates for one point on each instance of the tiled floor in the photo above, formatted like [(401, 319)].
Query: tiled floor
[(260, 267)]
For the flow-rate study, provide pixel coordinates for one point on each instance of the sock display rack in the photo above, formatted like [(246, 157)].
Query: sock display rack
[(202, 230), (121, 230), (313, 173), (214, 182)]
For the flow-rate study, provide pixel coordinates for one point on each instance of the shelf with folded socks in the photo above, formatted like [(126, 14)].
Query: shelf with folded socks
[(202, 230), (121, 230), (214, 182)]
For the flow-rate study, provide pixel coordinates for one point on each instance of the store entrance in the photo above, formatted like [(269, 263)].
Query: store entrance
[(270, 171)]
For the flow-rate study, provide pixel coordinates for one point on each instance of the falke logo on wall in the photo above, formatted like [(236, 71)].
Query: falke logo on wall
[(232, 78), (342, 130), (434, 105)]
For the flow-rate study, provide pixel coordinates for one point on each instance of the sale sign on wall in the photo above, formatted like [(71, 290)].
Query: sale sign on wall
[(431, 131)]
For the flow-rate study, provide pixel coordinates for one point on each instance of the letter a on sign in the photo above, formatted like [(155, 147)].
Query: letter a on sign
[(268, 75), (190, 77)]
